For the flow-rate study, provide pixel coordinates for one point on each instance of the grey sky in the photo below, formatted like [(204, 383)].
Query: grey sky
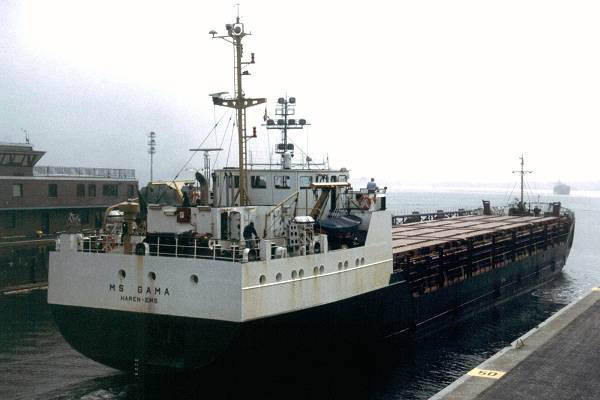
[(405, 91)]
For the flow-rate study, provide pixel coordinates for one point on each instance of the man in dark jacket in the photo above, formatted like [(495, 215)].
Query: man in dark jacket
[(248, 232)]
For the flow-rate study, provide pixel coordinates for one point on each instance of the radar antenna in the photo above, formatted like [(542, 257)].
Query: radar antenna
[(285, 108), (235, 34)]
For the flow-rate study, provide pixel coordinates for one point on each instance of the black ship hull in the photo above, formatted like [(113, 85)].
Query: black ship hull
[(135, 341)]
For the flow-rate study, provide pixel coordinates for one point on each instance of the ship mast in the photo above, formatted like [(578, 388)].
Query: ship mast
[(235, 34), (285, 108), (522, 172)]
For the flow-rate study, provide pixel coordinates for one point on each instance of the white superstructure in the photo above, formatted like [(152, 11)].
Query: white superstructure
[(181, 250)]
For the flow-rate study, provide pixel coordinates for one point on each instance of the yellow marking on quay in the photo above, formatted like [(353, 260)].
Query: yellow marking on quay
[(486, 373)]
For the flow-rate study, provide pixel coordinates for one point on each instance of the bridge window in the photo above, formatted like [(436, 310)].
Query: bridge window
[(258, 182), (343, 178), (80, 190), (322, 178), (281, 182), (305, 182), (91, 190)]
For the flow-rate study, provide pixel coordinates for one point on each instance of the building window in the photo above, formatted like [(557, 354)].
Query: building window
[(281, 182), (258, 182), (91, 190), (8, 219), (130, 191), (110, 190), (80, 190), (52, 190), (84, 217), (305, 182), (17, 190)]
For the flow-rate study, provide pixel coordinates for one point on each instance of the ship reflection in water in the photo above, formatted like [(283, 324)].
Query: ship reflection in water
[(35, 362)]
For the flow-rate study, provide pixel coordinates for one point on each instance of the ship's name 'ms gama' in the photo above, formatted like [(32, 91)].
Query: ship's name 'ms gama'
[(157, 291)]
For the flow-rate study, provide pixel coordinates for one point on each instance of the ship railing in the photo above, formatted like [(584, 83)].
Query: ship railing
[(20, 238), (416, 216), (443, 267), (364, 200), (112, 173), (232, 251)]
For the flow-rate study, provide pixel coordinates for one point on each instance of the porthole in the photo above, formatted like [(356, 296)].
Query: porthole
[(278, 277), (194, 279), (356, 262), (321, 269), (362, 261), (345, 264), (340, 266), (294, 274), (151, 276), (301, 273), (262, 279), (315, 270), (122, 274)]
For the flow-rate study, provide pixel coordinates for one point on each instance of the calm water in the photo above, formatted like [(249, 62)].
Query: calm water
[(35, 362)]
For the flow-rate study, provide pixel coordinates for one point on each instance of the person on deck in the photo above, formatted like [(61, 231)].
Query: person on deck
[(372, 186), (248, 232), (186, 200)]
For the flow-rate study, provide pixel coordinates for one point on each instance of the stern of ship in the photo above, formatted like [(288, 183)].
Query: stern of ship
[(129, 311)]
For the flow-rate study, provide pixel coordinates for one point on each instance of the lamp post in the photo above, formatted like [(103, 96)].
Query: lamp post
[(151, 151)]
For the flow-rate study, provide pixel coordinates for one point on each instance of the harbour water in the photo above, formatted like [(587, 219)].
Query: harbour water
[(36, 363)]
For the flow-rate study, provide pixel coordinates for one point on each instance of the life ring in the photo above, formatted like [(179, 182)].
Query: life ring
[(109, 243), (366, 202)]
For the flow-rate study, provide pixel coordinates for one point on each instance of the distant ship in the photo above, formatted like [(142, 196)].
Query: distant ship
[(562, 188), (187, 281)]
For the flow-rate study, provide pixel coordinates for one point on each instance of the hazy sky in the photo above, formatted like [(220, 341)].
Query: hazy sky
[(409, 92)]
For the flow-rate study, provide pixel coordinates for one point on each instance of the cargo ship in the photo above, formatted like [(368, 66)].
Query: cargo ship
[(562, 188), (285, 257)]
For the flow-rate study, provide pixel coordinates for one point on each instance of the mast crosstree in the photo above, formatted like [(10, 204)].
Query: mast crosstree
[(235, 34), (522, 172)]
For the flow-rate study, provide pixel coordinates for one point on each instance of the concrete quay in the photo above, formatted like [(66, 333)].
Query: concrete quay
[(559, 359)]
